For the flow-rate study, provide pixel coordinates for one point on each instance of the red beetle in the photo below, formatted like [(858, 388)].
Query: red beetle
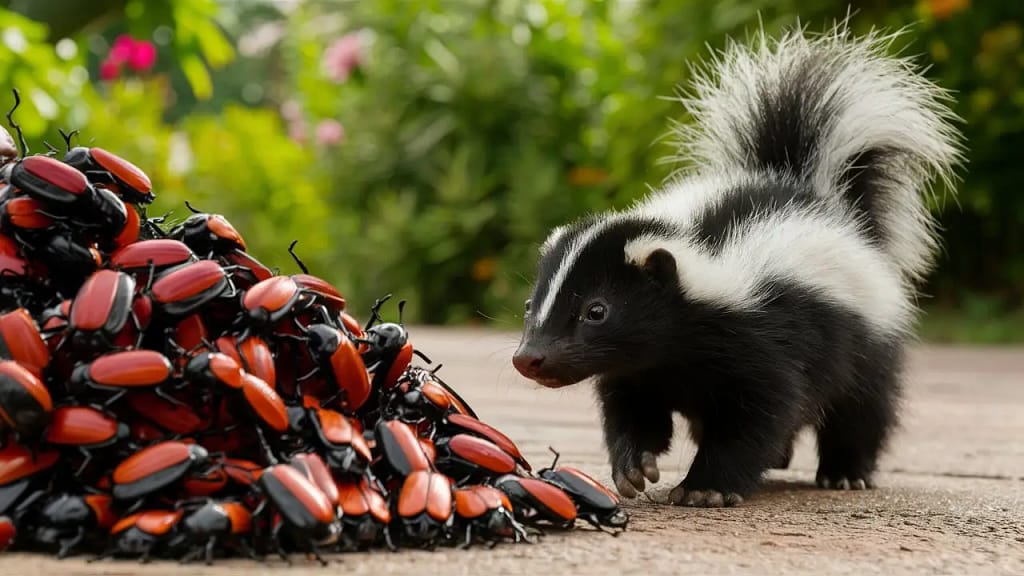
[(343, 444), (174, 417), (25, 213), (265, 403), (50, 181), (183, 290), (594, 503), (486, 512), (304, 509), (208, 234), (339, 362), (400, 447), (202, 483), (538, 501), (245, 269), (21, 341), (468, 456), (141, 533), (314, 468), (365, 514), (23, 475), (120, 372), (102, 310), (215, 369), (12, 263), (468, 424), (131, 182), (253, 353), (272, 300), (158, 255), (425, 506), (25, 403), (84, 428), (156, 467), (190, 335)]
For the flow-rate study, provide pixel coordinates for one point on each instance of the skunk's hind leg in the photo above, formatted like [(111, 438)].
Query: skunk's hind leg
[(856, 426)]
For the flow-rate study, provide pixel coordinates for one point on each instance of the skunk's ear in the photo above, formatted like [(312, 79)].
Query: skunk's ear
[(660, 265)]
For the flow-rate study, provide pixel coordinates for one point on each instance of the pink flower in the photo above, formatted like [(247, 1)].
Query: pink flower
[(110, 69), (139, 55), (143, 56), (121, 51), (291, 110), (329, 133), (343, 56)]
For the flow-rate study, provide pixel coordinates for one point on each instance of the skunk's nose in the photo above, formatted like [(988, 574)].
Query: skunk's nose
[(528, 362)]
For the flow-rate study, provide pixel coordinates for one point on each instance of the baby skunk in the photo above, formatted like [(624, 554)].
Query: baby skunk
[(768, 288)]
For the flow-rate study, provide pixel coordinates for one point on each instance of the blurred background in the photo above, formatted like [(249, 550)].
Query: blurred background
[(425, 148)]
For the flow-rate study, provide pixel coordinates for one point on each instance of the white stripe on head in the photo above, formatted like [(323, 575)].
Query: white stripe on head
[(569, 256)]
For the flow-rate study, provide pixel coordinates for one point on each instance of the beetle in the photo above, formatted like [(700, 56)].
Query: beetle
[(67, 261), (339, 362), (461, 423), (245, 269), (101, 310), (536, 501), (365, 514), (472, 457), (142, 533), (84, 428), (272, 300), (25, 403), (211, 524), (185, 289), (594, 503), (343, 444), (156, 467), (22, 472), (26, 214), (389, 354), (252, 353), (424, 507), (66, 520), (420, 396), (174, 417), (158, 255), (486, 512), (107, 213), (209, 234), (119, 372), (306, 514), (400, 448), (314, 468), (49, 181), (265, 403), (131, 182), (12, 261), (21, 341)]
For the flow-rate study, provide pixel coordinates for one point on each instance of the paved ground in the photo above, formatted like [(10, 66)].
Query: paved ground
[(951, 496)]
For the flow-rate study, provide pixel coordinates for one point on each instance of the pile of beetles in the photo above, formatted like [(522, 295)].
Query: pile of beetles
[(163, 394)]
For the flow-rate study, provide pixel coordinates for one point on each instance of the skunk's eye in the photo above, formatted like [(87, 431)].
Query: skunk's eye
[(526, 306), (596, 313)]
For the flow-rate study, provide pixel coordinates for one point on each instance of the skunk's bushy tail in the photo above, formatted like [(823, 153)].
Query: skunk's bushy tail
[(839, 113)]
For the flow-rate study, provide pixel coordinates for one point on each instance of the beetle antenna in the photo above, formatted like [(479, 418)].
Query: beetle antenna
[(67, 137), (423, 356), (10, 120), (557, 456), (401, 310), (291, 250), (52, 149), (375, 311), (190, 207)]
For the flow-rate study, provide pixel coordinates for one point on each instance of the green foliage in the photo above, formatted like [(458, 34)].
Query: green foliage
[(472, 127)]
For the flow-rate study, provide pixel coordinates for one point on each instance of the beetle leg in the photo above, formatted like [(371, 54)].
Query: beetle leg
[(388, 541), (469, 537), (68, 544), (210, 544), (110, 401), (145, 554), (85, 461), (159, 391), (191, 555), (308, 375), (246, 549)]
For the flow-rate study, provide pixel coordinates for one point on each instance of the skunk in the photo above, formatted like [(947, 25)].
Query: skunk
[(770, 286)]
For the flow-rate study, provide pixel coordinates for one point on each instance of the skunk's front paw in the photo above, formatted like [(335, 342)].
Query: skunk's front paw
[(843, 483), (629, 473), (680, 496)]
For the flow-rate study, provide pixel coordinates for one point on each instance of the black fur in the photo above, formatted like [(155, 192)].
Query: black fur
[(740, 205)]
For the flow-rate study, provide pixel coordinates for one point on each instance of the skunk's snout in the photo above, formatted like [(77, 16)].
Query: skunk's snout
[(528, 361)]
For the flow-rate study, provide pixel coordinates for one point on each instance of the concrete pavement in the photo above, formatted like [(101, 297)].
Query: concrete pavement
[(950, 497)]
